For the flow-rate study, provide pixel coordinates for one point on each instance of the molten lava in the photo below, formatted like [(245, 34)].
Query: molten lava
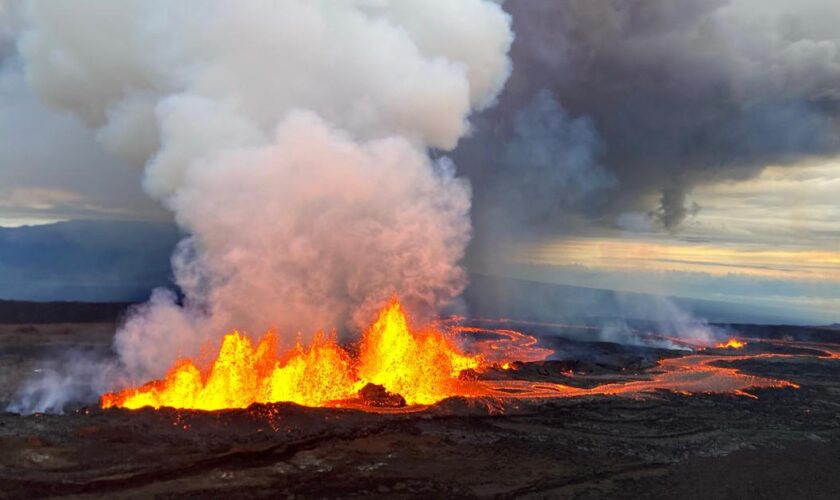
[(731, 344), (505, 345), (421, 367), (392, 364)]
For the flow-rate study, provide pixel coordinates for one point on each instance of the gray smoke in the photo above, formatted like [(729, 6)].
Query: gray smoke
[(674, 94), (667, 318), (74, 378)]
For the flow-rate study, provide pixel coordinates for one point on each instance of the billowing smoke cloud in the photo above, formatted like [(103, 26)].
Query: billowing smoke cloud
[(323, 230), (543, 175), (673, 94), (289, 139)]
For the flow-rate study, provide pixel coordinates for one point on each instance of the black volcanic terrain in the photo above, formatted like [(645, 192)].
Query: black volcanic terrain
[(781, 443)]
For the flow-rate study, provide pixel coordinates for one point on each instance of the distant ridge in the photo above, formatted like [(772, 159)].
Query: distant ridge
[(86, 261), (532, 300), (19, 312)]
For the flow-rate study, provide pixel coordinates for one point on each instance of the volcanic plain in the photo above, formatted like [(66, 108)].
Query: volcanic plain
[(770, 442)]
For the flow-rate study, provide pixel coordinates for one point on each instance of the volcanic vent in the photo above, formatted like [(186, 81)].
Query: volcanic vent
[(398, 368), (421, 367)]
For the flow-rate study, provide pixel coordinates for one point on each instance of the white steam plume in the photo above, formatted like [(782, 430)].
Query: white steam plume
[(289, 138)]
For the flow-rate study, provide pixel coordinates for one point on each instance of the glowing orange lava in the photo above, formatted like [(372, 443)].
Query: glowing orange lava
[(731, 344), (506, 345), (688, 375), (422, 367)]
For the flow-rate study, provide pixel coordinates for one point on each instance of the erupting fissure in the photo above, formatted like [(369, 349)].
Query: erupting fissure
[(731, 344), (423, 367), (414, 368)]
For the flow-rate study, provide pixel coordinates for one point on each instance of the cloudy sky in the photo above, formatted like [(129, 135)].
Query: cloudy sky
[(53, 168), (687, 148), (767, 242)]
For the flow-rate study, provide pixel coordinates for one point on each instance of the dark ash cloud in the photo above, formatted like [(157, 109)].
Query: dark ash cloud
[(651, 98)]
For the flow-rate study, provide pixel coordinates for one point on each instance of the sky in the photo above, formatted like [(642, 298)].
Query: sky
[(770, 241), (53, 169), (684, 148)]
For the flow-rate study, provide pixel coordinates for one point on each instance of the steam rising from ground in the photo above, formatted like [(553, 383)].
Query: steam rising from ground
[(289, 138), (74, 376), (323, 230), (668, 318)]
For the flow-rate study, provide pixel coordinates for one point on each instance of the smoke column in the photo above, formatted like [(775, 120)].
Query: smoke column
[(289, 138)]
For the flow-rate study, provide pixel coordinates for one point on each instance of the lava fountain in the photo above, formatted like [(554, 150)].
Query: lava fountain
[(731, 344), (405, 367), (423, 367)]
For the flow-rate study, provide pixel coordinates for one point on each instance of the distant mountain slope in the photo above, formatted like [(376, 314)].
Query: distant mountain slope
[(492, 297), (91, 261), (121, 261), (17, 312), (497, 296)]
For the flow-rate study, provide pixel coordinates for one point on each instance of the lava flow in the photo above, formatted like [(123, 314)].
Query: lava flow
[(406, 368), (422, 367), (504, 345)]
